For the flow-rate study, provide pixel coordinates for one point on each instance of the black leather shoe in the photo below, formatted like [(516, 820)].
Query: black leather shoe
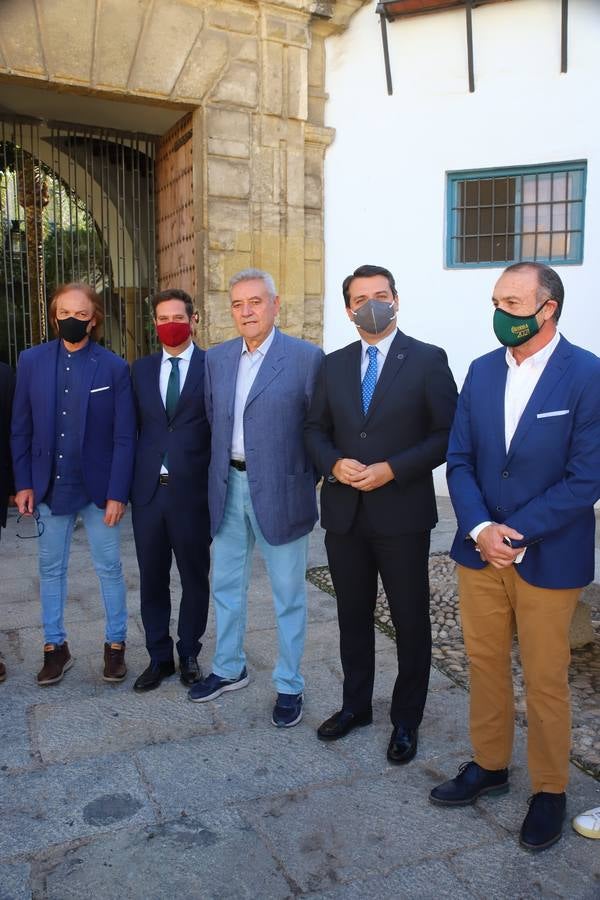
[(471, 782), (341, 723), (189, 670), (403, 745), (153, 675), (542, 826)]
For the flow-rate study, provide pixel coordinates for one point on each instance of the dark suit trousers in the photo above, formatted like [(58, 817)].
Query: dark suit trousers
[(355, 559), (162, 528)]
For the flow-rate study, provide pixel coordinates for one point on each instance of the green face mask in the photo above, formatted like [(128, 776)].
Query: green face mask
[(514, 330)]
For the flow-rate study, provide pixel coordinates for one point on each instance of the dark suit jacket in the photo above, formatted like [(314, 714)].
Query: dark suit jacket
[(186, 437), (7, 389), (546, 485), (107, 438), (407, 425)]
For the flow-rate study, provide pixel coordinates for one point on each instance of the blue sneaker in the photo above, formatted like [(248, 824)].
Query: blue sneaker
[(213, 686), (287, 710)]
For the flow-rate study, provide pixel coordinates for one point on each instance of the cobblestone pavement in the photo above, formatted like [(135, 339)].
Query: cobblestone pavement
[(106, 794)]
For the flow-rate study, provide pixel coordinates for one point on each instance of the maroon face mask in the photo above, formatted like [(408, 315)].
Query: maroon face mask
[(172, 334)]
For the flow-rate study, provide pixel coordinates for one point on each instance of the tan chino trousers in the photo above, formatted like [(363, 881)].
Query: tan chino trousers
[(493, 602)]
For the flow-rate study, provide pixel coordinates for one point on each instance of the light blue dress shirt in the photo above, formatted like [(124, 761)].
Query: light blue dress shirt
[(248, 369)]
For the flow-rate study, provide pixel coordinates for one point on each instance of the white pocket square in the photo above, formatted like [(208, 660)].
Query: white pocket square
[(556, 412), (95, 390)]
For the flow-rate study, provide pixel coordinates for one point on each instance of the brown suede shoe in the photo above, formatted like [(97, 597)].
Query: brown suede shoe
[(57, 660), (114, 662), (2, 671)]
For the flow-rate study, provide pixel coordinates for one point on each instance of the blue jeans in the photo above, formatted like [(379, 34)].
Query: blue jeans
[(286, 566), (55, 543)]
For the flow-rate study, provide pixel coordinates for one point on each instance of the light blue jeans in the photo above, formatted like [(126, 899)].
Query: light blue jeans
[(55, 543), (286, 565)]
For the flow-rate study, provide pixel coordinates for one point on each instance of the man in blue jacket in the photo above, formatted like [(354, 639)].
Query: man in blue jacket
[(261, 487), (524, 474), (73, 442), (169, 492)]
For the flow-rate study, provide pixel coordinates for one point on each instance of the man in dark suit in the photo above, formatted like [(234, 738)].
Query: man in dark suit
[(7, 489), (169, 493), (524, 474), (73, 440), (378, 425)]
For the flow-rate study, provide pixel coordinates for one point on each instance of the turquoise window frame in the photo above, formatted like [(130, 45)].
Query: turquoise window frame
[(452, 212)]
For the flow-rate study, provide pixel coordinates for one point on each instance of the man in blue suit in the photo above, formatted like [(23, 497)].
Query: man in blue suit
[(524, 474), (261, 486), (73, 440), (169, 492)]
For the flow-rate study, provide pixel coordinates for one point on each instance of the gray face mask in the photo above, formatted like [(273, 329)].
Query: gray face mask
[(374, 316)]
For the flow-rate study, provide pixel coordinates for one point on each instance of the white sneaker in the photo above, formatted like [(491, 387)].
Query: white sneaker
[(588, 823)]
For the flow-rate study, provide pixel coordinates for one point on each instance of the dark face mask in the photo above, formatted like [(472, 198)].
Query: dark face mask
[(512, 331), (73, 330), (374, 316)]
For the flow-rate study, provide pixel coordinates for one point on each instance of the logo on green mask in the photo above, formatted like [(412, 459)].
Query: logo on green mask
[(514, 330)]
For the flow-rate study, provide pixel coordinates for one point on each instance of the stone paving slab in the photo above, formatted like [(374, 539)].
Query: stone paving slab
[(506, 873), (59, 804), (210, 857), (224, 769), (114, 724), (347, 832), (430, 880), (14, 881)]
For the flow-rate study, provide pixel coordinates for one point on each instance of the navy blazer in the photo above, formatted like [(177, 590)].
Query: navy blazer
[(186, 437), (280, 473), (107, 438), (407, 424), (546, 485)]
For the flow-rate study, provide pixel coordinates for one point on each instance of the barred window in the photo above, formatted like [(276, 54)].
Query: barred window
[(534, 213)]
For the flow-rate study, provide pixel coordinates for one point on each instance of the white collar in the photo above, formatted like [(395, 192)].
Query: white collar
[(185, 354), (383, 346), (536, 359)]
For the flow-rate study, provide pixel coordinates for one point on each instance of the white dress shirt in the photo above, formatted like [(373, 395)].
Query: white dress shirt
[(250, 363), (165, 371), (521, 380), (383, 348)]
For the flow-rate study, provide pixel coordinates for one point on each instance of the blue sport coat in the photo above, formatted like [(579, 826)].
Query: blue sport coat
[(108, 429), (546, 485), (280, 473)]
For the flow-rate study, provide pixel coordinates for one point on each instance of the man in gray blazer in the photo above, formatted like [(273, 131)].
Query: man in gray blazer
[(261, 486)]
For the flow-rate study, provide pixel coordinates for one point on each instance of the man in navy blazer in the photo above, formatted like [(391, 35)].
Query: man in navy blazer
[(524, 474), (261, 486), (169, 492), (73, 440)]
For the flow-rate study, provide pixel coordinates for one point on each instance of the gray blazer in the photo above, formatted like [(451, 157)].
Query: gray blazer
[(280, 473)]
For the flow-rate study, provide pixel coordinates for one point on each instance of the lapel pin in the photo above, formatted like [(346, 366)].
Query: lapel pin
[(401, 356)]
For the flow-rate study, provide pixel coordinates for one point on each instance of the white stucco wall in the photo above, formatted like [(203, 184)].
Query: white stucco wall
[(385, 177)]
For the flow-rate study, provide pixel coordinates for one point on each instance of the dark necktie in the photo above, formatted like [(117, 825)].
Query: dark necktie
[(369, 382), (172, 396), (172, 388)]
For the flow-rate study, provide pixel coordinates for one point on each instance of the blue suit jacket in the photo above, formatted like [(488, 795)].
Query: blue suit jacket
[(547, 483), (108, 429), (186, 437), (280, 473)]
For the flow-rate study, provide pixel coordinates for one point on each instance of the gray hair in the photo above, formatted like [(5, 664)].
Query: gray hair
[(255, 275)]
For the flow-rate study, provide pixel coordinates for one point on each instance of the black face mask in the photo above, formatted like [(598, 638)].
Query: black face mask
[(73, 330)]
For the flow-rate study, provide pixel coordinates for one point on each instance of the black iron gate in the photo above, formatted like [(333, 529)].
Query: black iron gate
[(76, 204)]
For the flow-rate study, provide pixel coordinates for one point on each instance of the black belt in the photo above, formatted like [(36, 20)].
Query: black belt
[(163, 479), (238, 464)]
